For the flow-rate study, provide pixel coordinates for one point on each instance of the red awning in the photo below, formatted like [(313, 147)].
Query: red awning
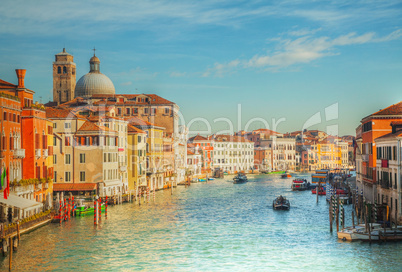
[(69, 187)]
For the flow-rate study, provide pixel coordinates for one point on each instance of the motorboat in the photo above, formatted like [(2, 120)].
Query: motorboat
[(281, 203), (240, 178), (286, 175), (300, 185)]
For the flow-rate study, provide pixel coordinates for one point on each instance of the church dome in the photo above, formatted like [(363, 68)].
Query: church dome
[(94, 82)]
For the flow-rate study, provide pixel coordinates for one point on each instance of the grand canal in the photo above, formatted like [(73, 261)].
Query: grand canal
[(214, 226)]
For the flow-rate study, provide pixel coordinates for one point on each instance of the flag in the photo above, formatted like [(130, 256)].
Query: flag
[(8, 183), (5, 178), (1, 178)]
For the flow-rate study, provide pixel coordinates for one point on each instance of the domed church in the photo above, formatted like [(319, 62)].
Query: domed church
[(64, 86), (94, 82)]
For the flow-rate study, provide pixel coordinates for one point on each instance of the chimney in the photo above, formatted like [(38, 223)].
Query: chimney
[(21, 77)]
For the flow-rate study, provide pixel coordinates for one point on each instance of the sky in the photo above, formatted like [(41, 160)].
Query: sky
[(228, 65)]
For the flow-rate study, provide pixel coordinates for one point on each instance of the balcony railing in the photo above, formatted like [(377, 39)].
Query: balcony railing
[(19, 153), (45, 153), (37, 153)]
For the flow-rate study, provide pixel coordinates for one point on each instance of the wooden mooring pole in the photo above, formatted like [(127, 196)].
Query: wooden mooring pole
[(10, 261)]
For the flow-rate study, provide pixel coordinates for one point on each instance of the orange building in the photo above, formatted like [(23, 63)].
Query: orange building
[(25, 130), (372, 127), (206, 145)]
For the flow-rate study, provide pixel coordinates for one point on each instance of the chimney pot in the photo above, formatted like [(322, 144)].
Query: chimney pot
[(21, 77)]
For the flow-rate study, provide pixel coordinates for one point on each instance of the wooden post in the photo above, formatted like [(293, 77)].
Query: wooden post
[(18, 231), (11, 254), (330, 217), (353, 219), (100, 208), (106, 208), (139, 196), (60, 217), (316, 191), (337, 219), (73, 206), (95, 221)]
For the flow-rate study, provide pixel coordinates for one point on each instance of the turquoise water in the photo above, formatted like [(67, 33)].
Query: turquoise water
[(214, 226)]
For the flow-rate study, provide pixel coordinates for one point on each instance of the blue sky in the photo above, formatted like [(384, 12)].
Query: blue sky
[(277, 59)]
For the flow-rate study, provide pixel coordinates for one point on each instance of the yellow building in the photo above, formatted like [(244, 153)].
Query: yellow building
[(154, 152), (136, 149), (329, 155)]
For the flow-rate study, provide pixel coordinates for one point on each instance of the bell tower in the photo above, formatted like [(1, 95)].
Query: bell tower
[(63, 77)]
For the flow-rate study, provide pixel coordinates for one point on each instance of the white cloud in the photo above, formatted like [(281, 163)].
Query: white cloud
[(177, 74), (128, 83), (220, 69), (298, 51)]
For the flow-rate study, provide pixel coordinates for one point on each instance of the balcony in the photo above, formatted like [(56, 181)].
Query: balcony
[(19, 153), (123, 168), (37, 153), (45, 153), (1, 154)]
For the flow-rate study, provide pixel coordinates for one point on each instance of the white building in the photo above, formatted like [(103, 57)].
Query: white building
[(233, 153), (283, 152), (389, 171)]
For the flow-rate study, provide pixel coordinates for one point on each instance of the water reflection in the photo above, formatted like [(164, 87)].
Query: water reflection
[(214, 226)]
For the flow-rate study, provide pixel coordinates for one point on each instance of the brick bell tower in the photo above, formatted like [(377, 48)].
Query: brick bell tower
[(63, 77)]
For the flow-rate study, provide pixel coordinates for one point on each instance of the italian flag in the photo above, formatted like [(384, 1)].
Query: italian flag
[(5, 182)]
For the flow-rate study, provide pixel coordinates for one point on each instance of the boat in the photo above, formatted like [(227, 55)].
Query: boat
[(321, 191), (281, 203), (83, 209), (277, 172), (210, 178), (240, 178), (286, 175), (202, 180), (377, 232), (194, 180), (300, 185)]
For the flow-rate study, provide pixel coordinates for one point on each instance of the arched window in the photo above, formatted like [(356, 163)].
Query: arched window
[(64, 70), (59, 70)]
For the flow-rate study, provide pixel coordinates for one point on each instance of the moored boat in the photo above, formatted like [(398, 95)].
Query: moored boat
[(286, 175), (300, 185), (281, 203), (240, 178), (83, 209), (321, 191), (377, 232)]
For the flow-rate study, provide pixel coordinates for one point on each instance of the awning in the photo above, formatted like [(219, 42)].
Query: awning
[(20, 202), (73, 187)]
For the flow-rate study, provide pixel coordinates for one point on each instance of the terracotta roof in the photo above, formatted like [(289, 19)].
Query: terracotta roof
[(7, 85), (90, 126), (62, 187), (395, 109), (135, 121), (189, 152), (198, 138), (230, 138), (265, 131), (132, 99), (133, 129), (59, 113), (390, 135)]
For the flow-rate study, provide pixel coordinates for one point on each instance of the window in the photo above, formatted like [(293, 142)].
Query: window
[(67, 176), (118, 111), (139, 139), (153, 111), (64, 70), (5, 116), (67, 141), (67, 125), (135, 111), (54, 141), (82, 176), (82, 158), (67, 159), (167, 110), (59, 70), (127, 111), (145, 110), (54, 159)]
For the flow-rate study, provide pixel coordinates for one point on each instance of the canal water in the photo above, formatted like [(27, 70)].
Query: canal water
[(214, 226)]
